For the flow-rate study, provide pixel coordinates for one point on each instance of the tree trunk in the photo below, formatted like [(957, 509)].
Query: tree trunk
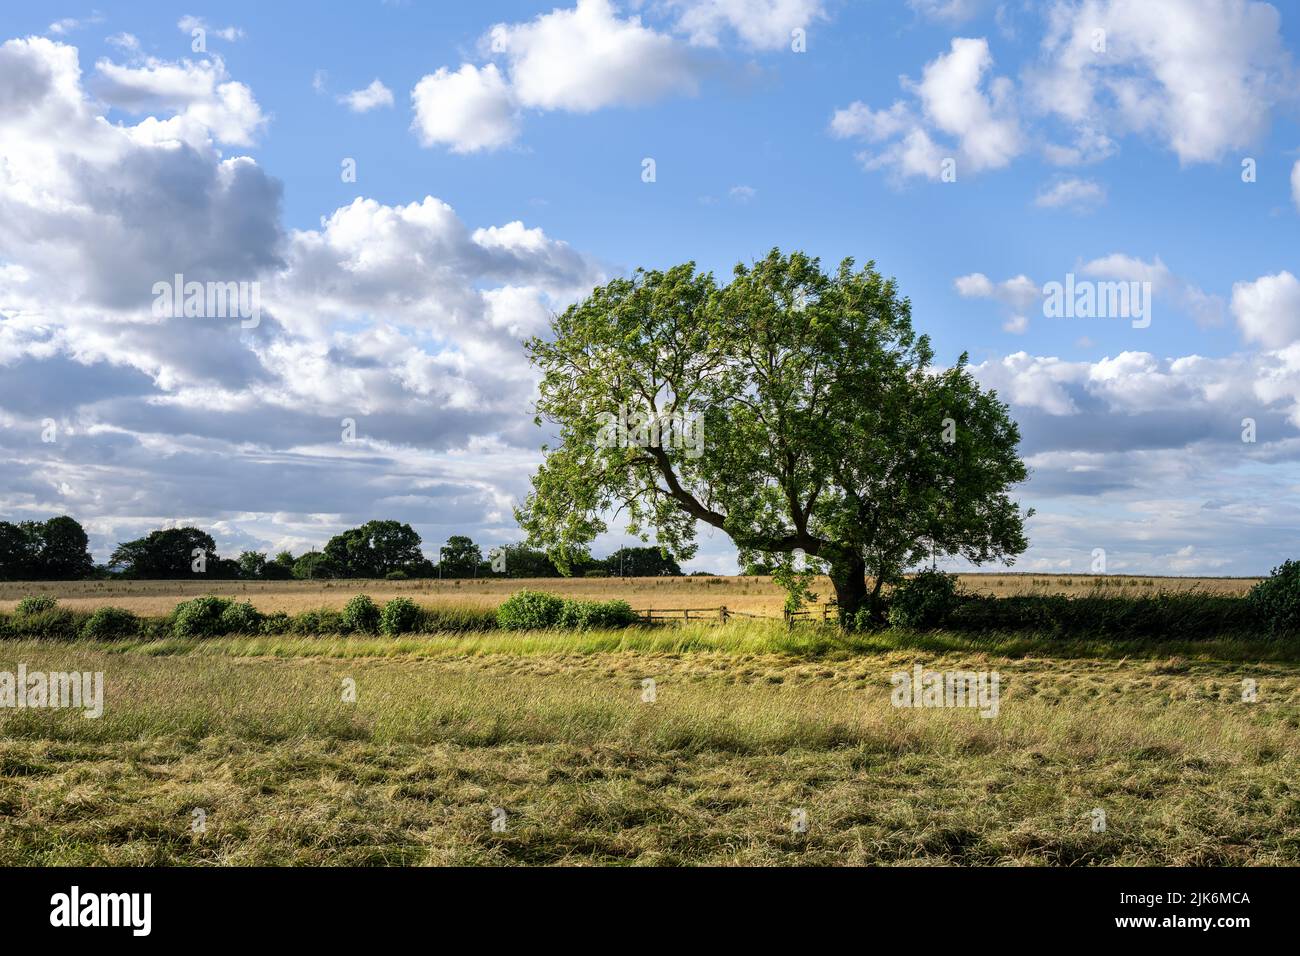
[(849, 575)]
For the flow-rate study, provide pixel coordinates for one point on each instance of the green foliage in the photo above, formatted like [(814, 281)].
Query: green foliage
[(200, 617), (35, 604), (647, 562), (590, 615), (110, 623), (522, 561), (252, 564), (313, 565), (459, 557), (1276, 599), (399, 616), (1164, 616), (361, 614), (924, 601), (169, 554), (53, 550), (51, 622), (374, 549), (316, 622), (825, 424), (529, 610), (241, 618), (277, 622)]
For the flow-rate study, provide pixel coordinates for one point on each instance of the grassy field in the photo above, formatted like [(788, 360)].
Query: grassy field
[(751, 723), (758, 595)]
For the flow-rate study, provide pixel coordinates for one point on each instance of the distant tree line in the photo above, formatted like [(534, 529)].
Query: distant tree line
[(57, 550)]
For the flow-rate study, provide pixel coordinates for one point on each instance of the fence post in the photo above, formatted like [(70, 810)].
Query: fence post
[(722, 614), (686, 614)]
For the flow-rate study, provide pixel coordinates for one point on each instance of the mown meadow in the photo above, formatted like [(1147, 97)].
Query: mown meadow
[(470, 744)]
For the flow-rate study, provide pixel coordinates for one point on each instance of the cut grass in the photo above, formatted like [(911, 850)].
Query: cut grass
[(750, 723)]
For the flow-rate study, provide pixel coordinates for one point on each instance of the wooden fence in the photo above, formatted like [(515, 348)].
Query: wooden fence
[(823, 612)]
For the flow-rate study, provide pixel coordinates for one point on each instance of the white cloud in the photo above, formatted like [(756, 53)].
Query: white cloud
[(759, 24), (1267, 310), (128, 42), (587, 58), (946, 11), (955, 97), (579, 60), (1202, 76), (371, 97), (1295, 184), (469, 110), (1020, 294), (402, 317), (1204, 308), (743, 194), (206, 102), (1072, 193), (188, 24)]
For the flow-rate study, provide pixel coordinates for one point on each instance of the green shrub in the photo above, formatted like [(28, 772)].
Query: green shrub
[(1185, 615), (1276, 599), (924, 601), (529, 610), (399, 616), (456, 619), (588, 615), (317, 622), (276, 623), (36, 604), (398, 575), (54, 622), (361, 614), (200, 617), (110, 623), (241, 618)]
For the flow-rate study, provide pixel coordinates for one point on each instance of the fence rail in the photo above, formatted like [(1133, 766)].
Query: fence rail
[(722, 614)]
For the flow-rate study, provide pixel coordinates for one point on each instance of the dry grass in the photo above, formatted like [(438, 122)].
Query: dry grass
[(756, 595), (745, 730)]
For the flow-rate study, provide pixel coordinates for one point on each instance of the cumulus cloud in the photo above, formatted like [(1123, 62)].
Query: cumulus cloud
[(470, 110), (205, 101), (577, 60), (188, 24), (371, 97), (1267, 310), (956, 98), (946, 11), (1202, 89), (1204, 308), (1073, 193), (759, 24), (401, 317), (1019, 294)]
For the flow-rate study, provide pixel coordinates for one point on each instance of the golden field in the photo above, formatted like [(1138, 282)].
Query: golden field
[(755, 595), (750, 724)]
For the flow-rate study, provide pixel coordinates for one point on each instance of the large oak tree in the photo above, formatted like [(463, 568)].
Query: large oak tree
[(826, 428)]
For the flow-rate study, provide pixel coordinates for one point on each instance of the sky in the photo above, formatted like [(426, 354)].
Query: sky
[(413, 188)]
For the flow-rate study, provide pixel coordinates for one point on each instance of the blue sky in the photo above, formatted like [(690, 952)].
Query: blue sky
[(1124, 163)]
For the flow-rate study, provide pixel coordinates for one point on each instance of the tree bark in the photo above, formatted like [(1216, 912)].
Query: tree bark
[(849, 576)]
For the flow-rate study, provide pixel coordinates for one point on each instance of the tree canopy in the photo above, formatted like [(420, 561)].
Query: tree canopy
[(826, 427), (168, 554), (53, 550)]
